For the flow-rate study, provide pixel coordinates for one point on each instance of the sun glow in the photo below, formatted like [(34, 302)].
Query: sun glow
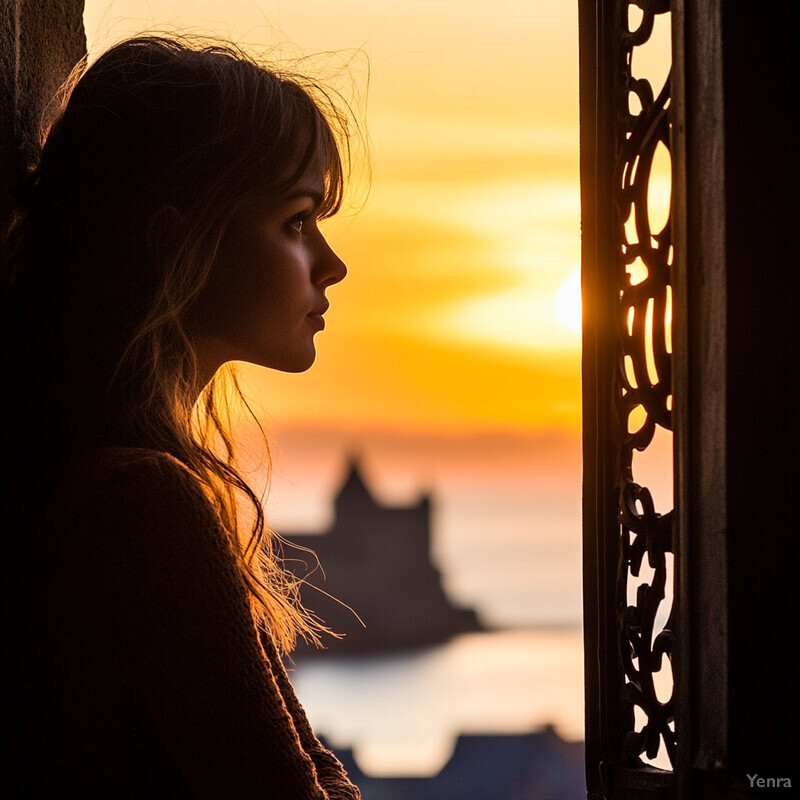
[(459, 308), (523, 319), (568, 303)]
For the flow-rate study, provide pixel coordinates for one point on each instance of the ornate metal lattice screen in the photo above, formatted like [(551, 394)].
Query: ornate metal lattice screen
[(627, 263)]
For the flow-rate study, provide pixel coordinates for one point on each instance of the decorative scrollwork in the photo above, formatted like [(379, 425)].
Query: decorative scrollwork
[(643, 393)]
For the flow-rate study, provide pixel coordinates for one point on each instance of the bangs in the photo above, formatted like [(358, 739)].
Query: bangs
[(317, 131), (334, 173)]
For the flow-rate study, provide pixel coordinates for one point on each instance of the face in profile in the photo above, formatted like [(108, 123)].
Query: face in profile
[(265, 299)]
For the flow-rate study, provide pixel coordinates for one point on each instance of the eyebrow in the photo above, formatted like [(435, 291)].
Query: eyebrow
[(315, 195)]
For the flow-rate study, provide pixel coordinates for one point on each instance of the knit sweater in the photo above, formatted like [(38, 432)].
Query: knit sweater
[(143, 674)]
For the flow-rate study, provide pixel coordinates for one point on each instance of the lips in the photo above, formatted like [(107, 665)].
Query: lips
[(315, 317)]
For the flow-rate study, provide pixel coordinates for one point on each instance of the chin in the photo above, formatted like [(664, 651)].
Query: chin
[(297, 364), (296, 370)]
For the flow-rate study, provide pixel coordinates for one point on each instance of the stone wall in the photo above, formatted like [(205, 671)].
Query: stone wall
[(40, 42)]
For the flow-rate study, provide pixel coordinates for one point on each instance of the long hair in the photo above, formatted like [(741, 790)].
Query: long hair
[(102, 270)]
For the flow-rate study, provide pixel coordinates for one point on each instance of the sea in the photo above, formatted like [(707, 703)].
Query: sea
[(506, 538), (401, 713)]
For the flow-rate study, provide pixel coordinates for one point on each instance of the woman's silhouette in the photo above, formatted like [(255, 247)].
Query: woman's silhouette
[(169, 228)]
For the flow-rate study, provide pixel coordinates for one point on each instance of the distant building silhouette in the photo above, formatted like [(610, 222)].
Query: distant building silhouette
[(540, 766), (376, 559)]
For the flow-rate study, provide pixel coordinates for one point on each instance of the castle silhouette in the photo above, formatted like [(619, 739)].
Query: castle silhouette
[(376, 560)]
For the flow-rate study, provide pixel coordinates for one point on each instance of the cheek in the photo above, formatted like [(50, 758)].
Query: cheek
[(269, 292), (259, 286), (244, 276), (270, 306)]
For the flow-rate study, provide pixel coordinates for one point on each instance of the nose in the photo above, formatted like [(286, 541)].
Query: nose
[(330, 269)]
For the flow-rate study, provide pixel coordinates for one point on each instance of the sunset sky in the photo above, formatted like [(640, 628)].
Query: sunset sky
[(450, 364), (460, 312)]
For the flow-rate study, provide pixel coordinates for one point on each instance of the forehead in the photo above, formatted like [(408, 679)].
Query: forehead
[(311, 182), (317, 179), (310, 185)]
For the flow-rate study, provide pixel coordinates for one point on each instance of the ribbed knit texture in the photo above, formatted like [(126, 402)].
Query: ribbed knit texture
[(146, 674)]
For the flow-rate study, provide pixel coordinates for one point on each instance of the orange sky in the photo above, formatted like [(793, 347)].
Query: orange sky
[(450, 363), (451, 316)]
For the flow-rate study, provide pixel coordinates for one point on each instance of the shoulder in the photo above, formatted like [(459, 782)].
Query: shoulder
[(130, 475), (139, 521), (106, 464), (133, 497)]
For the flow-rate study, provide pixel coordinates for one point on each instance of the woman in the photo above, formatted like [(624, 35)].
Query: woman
[(170, 228)]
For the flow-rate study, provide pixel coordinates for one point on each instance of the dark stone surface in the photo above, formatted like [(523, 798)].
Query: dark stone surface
[(40, 43)]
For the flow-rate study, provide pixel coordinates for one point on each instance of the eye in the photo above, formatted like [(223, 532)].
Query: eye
[(297, 223)]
